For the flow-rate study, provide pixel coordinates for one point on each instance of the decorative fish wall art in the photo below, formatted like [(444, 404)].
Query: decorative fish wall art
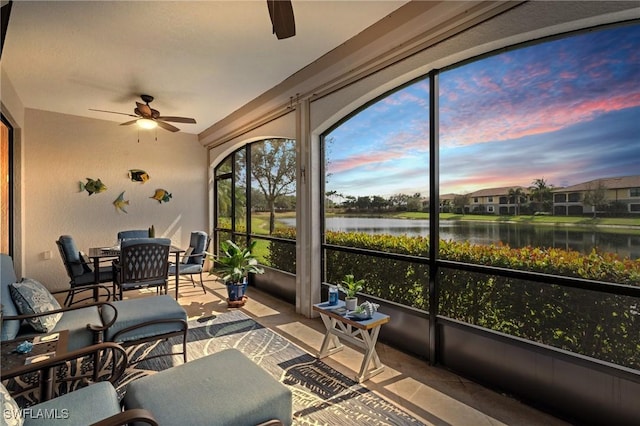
[(162, 195), (137, 175), (93, 186), (120, 202)]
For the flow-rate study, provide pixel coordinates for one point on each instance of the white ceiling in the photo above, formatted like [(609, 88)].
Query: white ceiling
[(200, 59)]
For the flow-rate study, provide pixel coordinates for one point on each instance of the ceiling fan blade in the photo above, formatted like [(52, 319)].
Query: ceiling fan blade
[(112, 112), (145, 110), (128, 122), (178, 119), (167, 126), (282, 19)]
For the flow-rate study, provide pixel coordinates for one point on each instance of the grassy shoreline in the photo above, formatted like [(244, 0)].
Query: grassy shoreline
[(260, 220), (525, 219)]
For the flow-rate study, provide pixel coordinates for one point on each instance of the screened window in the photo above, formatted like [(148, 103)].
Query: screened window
[(538, 124), (256, 199)]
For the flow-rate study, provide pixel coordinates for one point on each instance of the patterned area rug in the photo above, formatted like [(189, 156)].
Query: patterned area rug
[(321, 395)]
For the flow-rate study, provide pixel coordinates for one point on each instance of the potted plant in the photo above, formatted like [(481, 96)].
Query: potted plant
[(234, 264), (350, 287)]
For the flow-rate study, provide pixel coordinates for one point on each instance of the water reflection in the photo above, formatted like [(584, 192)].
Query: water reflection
[(514, 234)]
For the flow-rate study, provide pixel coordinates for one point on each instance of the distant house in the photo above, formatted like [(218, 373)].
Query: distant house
[(446, 203), (617, 194), (496, 201)]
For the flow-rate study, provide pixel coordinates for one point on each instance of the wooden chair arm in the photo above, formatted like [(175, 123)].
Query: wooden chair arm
[(128, 417)]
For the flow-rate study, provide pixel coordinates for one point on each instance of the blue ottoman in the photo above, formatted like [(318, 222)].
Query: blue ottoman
[(146, 319), (225, 388)]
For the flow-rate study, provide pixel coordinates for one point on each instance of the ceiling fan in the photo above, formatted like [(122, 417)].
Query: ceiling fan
[(282, 20), (148, 118)]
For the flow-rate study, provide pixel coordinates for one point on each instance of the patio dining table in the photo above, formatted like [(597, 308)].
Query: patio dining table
[(98, 254)]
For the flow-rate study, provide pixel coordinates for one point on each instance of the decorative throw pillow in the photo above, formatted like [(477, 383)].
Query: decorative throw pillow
[(31, 297), (185, 256), (11, 413)]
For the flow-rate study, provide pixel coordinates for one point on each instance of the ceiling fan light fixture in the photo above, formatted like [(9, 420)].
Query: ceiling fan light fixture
[(145, 123)]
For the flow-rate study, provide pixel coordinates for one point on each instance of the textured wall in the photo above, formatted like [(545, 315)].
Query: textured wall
[(62, 150)]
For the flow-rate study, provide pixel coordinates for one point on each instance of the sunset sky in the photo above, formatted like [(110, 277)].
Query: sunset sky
[(567, 111)]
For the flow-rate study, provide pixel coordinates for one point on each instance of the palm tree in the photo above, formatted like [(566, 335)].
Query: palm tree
[(541, 194), (515, 196)]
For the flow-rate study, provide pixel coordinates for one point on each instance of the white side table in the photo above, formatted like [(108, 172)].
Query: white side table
[(363, 334)]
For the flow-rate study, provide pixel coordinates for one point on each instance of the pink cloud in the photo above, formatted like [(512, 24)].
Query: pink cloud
[(362, 160), (508, 122)]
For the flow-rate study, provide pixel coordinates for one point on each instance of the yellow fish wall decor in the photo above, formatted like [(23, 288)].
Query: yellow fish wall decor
[(137, 175), (120, 202), (93, 186), (162, 195)]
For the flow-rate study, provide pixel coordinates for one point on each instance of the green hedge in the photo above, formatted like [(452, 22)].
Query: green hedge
[(600, 325)]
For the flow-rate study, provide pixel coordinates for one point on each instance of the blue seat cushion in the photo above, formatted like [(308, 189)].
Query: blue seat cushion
[(7, 277), (76, 321), (185, 268), (137, 311), (225, 388), (79, 408), (105, 275)]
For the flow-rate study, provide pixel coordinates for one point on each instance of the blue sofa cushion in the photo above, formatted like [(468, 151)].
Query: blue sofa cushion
[(137, 311), (31, 297), (78, 408), (11, 414), (7, 277)]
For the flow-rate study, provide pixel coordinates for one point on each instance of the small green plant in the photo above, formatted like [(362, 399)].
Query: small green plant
[(350, 287), (235, 263)]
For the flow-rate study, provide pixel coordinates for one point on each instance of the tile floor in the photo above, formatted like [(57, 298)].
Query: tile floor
[(432, 394)]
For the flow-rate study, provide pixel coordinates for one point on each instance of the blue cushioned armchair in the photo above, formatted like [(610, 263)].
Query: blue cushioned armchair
[(127, 322), (79, 269), (193, 258), (133, 233), (96, 403)]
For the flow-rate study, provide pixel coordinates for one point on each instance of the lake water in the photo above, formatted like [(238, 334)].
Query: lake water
[(514, 234)]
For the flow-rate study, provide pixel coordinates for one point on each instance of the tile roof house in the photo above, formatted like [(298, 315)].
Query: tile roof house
[(619, 194), (496, 200)]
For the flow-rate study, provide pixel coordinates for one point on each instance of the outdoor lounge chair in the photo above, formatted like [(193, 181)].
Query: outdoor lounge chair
[(128, 322)]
